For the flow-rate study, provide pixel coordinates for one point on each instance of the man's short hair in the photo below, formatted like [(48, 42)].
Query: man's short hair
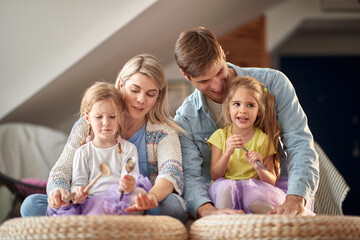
[(196, 50)]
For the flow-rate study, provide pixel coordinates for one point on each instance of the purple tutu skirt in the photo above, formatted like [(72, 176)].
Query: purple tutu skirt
[(106, 203), (250, 195)]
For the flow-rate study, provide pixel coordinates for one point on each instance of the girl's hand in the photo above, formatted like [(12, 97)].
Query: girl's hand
[(56, 198), (233, 142), (143, 202), (127, 183), (80, 195), (252, 156)]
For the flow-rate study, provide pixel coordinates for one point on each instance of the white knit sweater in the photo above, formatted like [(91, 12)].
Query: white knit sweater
[(163, 151)]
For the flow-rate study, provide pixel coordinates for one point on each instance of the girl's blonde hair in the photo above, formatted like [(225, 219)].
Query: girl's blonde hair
[(266, 119), (101, 91), (149, 66)]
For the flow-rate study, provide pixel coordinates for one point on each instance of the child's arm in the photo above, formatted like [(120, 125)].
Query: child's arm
[(220, 160), (268, 176), (79, 194), (127, 182)]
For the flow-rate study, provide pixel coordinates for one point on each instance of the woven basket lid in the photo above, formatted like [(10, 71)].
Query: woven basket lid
[(94, 227), (276, 227)]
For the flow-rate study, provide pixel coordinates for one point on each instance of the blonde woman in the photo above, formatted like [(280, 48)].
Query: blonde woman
[(148, 125)]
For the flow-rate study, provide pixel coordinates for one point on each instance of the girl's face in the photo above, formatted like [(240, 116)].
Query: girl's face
[(104, 122), (140, 94), (243, 109)]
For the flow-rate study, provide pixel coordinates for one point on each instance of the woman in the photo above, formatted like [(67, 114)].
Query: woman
[(147, 125)]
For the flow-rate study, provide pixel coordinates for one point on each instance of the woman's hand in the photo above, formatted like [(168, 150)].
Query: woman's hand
[(143, 202), (127, 183), (56, 198)]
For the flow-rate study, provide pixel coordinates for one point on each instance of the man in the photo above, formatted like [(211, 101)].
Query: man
[(202, 61)]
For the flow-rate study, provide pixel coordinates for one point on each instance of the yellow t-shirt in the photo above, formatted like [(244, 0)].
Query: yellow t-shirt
[(239, 167)]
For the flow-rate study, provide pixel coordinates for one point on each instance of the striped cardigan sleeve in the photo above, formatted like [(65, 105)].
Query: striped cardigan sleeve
[(164, 155), (60, 174)]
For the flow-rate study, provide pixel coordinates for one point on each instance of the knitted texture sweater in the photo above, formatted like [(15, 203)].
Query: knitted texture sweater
[(163, 151)]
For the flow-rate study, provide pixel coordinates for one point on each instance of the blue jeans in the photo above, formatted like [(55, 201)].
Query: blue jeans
[(173, 205)]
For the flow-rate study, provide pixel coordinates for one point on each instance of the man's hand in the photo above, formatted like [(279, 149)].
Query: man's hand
[(56, 198), (208, 209), (293, 205)]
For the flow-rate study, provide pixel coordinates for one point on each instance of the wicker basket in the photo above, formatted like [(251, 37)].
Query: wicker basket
[(94, 227), (276, 227)]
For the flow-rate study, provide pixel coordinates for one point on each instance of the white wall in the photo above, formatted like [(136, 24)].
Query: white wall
[(285, 18), (52, 50), (53, 84), (40, 39), (308, 27)]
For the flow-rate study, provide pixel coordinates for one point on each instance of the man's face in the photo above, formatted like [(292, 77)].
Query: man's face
[(213, 82)]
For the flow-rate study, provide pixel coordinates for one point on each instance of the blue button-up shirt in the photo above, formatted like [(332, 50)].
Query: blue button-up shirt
[(298, 158)]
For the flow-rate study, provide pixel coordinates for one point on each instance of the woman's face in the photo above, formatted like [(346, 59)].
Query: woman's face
[(140, 94)]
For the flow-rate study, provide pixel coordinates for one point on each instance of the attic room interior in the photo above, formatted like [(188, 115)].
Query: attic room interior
[(52, 51)]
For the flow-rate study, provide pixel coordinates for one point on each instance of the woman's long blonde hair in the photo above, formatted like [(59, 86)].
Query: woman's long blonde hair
[(266, 119), (149, 66)]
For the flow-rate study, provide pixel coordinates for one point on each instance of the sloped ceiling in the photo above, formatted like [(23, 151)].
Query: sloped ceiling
[(41, 39), (153, 31)]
